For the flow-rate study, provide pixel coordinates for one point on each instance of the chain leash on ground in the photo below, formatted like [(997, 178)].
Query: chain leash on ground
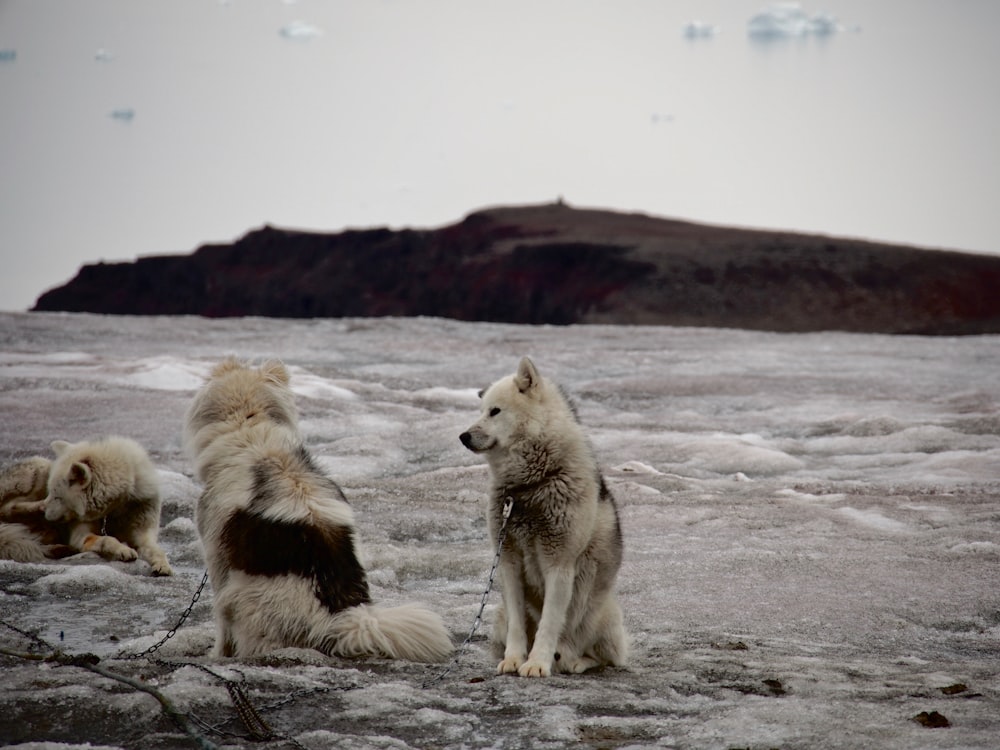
[(258, 728), (173, 631), (508, 506)]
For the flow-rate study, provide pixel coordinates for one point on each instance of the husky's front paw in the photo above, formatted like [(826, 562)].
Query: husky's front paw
[(161, 568), (109, 548), (535, 668), (578, 665), (510, 664)]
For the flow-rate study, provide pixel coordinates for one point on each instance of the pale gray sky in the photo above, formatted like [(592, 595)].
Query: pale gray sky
[(415, 113)]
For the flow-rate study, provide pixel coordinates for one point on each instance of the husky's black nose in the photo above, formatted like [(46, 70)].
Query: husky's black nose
[(466, 439)]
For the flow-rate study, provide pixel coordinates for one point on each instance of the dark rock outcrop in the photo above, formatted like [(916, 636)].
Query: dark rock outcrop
[(556, 264)]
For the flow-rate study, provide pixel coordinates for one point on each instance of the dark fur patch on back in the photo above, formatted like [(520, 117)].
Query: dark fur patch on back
[(322, 553)]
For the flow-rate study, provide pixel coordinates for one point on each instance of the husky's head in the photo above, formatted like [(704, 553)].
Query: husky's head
[(70, 478), (237, 395), (518, 408)]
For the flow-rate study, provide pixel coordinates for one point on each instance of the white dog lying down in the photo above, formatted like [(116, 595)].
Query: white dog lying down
[(98, 496)]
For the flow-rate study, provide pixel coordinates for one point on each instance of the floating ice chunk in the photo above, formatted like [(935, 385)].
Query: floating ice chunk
[(104, 55), (8, 55), (125, 114), (300, 30), (699, 30), (785, 20)]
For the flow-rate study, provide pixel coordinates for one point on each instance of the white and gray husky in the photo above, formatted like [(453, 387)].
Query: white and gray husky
[(279, 535), (563, 545)]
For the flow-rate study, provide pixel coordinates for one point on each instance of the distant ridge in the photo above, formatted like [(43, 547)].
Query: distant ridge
[(559, 265)]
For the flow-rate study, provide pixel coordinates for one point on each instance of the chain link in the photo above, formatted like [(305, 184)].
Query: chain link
[(508, 506), (173, 631)]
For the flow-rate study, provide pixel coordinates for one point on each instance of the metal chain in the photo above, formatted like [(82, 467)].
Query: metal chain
[(173, 631), (508, 506), (36, 640)]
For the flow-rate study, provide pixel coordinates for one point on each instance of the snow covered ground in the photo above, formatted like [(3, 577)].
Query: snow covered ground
[(812, 533)]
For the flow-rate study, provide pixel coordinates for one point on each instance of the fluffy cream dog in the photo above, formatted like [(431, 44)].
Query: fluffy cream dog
[(108, 492), (25, 535), (278, 533), (563, 546)]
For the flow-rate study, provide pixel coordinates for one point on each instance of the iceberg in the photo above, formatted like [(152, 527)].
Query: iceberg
[(698, 30), (300, 30), (8, 55), (786, 20), (125, 114)]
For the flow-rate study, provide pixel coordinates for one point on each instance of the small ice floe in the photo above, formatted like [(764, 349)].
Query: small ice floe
[(104, 55), (699, 30), (787, 20), (8, 55), (300, 30), (124, 114)]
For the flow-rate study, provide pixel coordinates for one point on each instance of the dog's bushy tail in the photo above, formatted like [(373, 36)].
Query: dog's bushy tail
[(410, 631), (21, 544)]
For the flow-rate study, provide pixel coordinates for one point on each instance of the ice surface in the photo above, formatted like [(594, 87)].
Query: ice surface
[(812, 528)]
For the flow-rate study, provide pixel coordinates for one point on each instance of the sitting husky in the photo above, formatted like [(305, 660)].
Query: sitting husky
[(563, 544), (103, 494), (279, 536)]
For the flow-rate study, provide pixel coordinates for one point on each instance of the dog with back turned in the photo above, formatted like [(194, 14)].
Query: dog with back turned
[(279, 535)]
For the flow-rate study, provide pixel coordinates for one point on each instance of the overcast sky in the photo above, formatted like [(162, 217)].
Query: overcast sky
[(140, 128)]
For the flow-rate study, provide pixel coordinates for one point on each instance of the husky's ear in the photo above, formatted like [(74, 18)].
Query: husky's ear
[(80, 474), (59, 446), (482, 392), (527, 376), (274, 370)]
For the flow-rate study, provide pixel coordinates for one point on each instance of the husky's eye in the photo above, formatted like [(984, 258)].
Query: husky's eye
[(494, 411)]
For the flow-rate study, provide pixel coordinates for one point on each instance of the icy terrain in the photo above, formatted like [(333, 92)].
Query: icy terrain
[(812, 533)]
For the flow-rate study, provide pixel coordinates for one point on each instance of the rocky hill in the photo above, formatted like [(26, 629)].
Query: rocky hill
[(556, 264)]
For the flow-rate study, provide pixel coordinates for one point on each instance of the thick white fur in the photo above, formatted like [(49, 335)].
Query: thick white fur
[(109, 493), (244, 415), (99, 496), (563, 545), (25, 535)]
